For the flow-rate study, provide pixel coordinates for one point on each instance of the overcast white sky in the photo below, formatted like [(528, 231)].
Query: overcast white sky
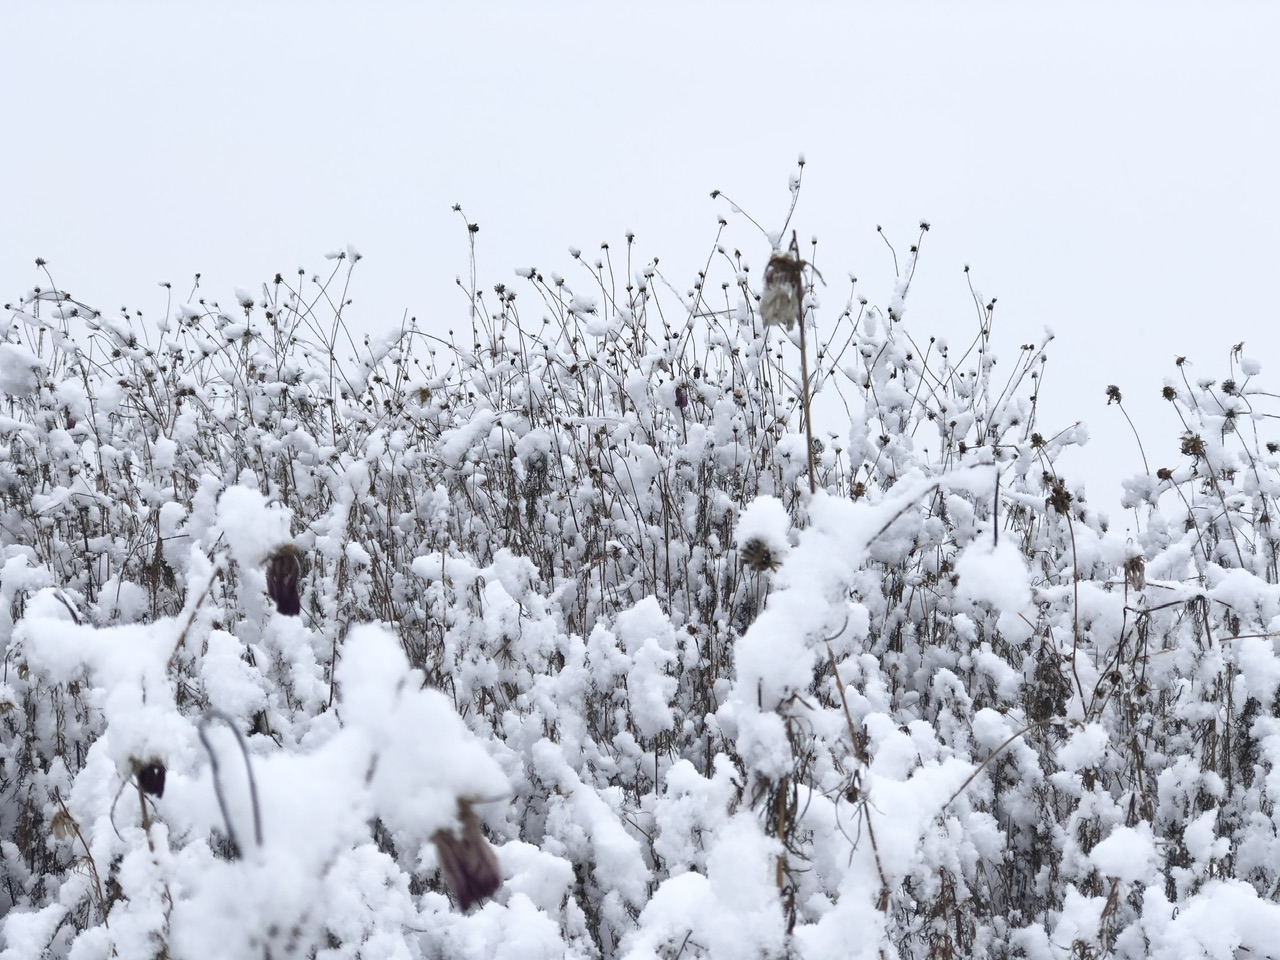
[(1108, 170)]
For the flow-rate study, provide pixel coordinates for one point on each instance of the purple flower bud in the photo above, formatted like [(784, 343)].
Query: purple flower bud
[(283, 573), (151, 779)]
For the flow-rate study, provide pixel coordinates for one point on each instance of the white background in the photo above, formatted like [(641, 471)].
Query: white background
[(1108, 170)]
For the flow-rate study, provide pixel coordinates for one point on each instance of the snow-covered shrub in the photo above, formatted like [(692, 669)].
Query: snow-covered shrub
[(931, 707)]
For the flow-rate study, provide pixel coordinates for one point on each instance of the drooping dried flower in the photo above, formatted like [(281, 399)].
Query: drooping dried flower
[(469, 864), (284, 571), (151, 778)]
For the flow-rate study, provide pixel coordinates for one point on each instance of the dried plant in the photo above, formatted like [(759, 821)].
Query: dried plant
[(544, 504)]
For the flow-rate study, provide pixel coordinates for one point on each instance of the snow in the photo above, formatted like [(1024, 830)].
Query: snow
[(1127, 854), (19, 370), (1226, 919), (1087, 747), (251, 528), (994, 575), (1200, 837), (765, 520), (648, 642), (731, 912)]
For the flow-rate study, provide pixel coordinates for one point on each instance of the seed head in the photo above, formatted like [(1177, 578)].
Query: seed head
[(757, 555)]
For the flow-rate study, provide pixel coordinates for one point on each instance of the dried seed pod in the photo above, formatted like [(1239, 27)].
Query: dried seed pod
[(62, 825), (469, 864), (1135, 573), (284, 571), (783, 290), (151, 778), (1060, 497)]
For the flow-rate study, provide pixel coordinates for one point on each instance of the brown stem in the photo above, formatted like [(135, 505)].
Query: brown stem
[(804, 402)]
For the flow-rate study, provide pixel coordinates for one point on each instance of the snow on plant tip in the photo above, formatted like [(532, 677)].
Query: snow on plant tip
[(570, 622)]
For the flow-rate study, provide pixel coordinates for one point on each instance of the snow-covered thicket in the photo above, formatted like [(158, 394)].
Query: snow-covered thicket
[(564, 586)]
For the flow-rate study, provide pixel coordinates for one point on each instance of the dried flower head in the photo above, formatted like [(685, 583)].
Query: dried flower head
[(1060, 497), (757, 555), (469, 865), (284, 571)]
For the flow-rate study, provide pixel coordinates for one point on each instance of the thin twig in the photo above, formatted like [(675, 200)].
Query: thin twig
[(202, 729), (859, 751), (997, 751), (88, 856)]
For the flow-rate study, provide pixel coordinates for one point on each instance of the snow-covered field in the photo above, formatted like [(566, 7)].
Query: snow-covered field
[(570, 621)]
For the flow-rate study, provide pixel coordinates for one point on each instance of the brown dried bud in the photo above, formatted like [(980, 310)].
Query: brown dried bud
[(284, 571), (469, 864)]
